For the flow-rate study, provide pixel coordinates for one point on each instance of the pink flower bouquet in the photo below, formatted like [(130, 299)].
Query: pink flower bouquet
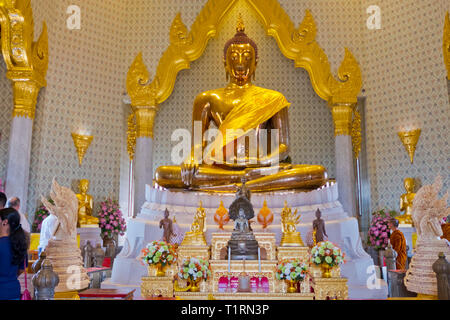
[(379, 229), (111, 219)]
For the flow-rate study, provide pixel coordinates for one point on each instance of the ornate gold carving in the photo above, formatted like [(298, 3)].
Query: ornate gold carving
[(409, 140), (298, 45), (446, 44), (131, 136), (334, 288), (301, 253), (356, 134), (82, 143), (156, 286), (26, 61), (342, 118)]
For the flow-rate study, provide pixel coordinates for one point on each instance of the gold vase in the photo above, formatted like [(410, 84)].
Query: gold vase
[(326, 270), (195, 285), (160, 272), (292, 286)]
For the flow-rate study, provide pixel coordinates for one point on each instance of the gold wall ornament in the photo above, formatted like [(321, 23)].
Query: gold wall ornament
[(82, 143), (356, 134), (296, 44), (409, 140), (131, 136), (26, 61), (446, 44)]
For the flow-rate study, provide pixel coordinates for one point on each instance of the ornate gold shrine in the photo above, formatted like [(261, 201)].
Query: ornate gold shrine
[(219, 241), (199, 252)]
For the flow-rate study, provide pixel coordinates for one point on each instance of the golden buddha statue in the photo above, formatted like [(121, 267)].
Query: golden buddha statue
[(290, 236), (406, 202), (241, 111), (196, 235), (85, 205)]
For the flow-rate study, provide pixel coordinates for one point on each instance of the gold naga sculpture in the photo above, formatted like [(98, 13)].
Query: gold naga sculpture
[(85, 206), (240, 111), (406, 202), (290, 236), (196, 235)]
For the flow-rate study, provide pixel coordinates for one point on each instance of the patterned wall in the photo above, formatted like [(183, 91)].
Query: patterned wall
[(84, 92), (404, 78), (6, 99)]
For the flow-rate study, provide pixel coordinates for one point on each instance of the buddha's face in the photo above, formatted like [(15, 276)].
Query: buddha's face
[(84, 185), (409, 185), (240, 63)]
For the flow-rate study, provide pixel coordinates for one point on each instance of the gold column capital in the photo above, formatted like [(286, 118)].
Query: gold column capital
[(25, 95), (145, 118), (342, 118)]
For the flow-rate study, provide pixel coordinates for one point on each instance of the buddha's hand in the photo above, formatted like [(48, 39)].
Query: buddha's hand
[(188, 171)]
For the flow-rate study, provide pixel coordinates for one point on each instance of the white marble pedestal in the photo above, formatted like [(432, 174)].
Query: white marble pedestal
[(341, 229), (91, 234)]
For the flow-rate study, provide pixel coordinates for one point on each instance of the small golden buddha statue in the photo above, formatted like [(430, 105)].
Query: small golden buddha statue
[(196, 235), (290, 237), (406, 202), (241, 111), (85, 205)]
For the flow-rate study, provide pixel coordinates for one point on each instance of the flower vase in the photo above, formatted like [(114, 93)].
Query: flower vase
[(326, 270), (194, 285), (160, 272), (292, 286)]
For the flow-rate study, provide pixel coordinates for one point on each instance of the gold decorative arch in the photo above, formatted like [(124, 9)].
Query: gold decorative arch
[(446, 44), (26, 60), (298, 44)]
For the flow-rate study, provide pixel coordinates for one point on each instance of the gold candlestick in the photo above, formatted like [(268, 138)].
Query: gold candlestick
[(82, 143), (409, 140)]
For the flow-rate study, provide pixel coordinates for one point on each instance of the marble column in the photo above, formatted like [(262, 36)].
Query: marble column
[(345, 174), (18, 166), (143, 166), (143, 173)]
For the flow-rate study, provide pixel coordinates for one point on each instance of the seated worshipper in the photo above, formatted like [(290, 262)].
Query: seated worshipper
[(398, 243), (47, 231), (14, 203), (14, 242), (2, 200)]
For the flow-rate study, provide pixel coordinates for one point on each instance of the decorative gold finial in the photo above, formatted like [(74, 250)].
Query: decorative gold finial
[(409, 140), (240, 27), (82, 143)]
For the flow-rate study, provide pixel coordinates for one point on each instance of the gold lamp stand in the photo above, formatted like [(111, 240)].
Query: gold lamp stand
[(82, 143), (409, 140)]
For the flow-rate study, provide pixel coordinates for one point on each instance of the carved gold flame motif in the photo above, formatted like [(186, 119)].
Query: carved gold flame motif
[(82, 143), (409, 140)]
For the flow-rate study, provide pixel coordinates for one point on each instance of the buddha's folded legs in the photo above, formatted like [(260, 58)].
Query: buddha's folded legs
[(216, 179)]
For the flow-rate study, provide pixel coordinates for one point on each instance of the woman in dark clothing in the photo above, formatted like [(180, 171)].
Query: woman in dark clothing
[(14, 243)]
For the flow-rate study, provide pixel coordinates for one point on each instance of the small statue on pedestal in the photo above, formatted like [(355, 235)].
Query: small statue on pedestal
[(85, 205), (99, 256), (290, 237), (319, 228), (196, 237), (406, 202), (88, 255), (167, 226)]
